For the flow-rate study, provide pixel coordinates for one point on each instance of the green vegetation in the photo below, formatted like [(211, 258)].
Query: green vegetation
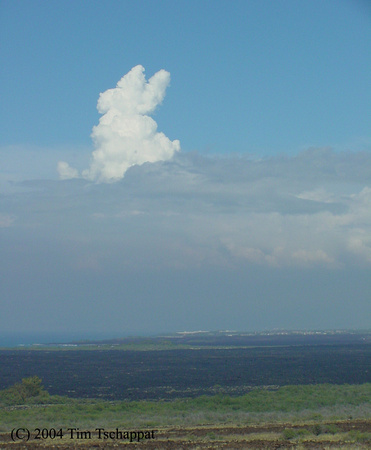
[(28, 391), (293, 433), (359, 436), (290, 398), (28, 403)]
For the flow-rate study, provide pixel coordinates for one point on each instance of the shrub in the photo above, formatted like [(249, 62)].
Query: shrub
[(317, 429), (30, 390), (289, 433), (330, 429)]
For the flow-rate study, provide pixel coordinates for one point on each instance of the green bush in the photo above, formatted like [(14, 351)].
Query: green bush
[(300, 432), (317, 429), (292, 433), (29, 390), (330, 429), (289, 433)]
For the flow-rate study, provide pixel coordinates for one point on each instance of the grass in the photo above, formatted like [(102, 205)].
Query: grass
[(294, 404)]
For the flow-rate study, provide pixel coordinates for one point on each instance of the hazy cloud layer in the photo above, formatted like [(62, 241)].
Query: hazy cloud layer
[(126, 135), (313, 209), (193, 242)]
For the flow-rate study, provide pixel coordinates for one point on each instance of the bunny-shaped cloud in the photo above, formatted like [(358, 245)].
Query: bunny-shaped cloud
[(126, 135)]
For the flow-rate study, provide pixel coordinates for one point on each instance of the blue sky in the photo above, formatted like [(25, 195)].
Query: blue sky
[(258, 218), (247, 76)]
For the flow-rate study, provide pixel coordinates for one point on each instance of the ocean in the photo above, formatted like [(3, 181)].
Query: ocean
[(24, 339)]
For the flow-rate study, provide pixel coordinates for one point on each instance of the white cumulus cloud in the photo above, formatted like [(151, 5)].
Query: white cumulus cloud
[(66, 172), (126, 135)]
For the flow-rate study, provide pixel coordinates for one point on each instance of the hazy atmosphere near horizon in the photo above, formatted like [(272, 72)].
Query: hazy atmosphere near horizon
[(184, 165)]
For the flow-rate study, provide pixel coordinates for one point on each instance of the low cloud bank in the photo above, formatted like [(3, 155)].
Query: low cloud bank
[(309, 210), (126, 135)]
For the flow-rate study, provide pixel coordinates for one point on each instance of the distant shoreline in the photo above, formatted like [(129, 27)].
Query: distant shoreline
[(34, 340)]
